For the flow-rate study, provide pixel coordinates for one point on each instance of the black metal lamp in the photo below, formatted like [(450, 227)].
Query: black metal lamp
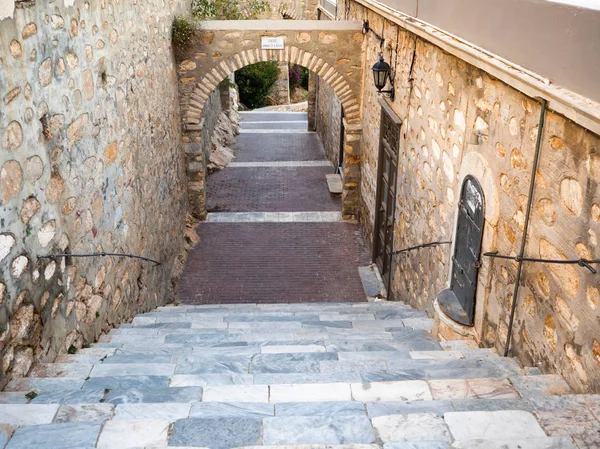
[(381, 74)]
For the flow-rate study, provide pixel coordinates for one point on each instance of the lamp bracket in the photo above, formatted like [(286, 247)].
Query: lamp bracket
[(367, 29)]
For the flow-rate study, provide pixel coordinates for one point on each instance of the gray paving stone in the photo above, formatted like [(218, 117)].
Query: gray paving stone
[(216, 433), (358, 367), (43, 384), (231, 410), (53, 436), (417, 445), (214, 364), (286, 367), (165, 411), (204, 339), (395, 356), (464, 405), (155, 350), (5, 434), (369, 281), (265, 317), (393, 374), (13, 397), (27, 414), (343, 346), (87, 396), (127, 382), (375, 409), (84, 412), (328, 324), (398, 313), (424, 345), (133, 369), (137, 358), (201, 380), (176, 325), (338, 429), (324, 409), (529, 443), (535, 386), (155, 395), (303, 378)]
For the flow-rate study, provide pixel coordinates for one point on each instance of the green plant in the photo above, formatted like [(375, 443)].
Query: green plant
[(255, 82), (31, 395), (298, 76), (183, 31), (229, 9), (97, 314), (72, 349)]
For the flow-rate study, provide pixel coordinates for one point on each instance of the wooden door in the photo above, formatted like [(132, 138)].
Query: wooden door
[(387, 172)]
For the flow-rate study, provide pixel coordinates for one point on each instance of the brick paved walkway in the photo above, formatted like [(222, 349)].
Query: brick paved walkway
[(295, 258), (270, 189), (273, 262)]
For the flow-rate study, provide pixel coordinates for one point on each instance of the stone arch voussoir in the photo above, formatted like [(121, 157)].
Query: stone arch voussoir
[(327, 49)]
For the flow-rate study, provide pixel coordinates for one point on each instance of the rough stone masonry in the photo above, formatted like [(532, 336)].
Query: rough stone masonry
[(90, 161), (458, 120)]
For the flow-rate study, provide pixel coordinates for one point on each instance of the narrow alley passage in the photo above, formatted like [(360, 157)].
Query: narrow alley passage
[(274, 233)]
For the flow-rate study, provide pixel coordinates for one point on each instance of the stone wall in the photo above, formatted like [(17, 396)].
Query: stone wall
[(329, 121), (90, 161), (207, 144), (280, 92), (459, 120)]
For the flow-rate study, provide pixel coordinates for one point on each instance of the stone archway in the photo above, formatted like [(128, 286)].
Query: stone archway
[(333, 50)]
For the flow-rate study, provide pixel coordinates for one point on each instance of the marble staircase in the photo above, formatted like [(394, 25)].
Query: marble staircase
[(318, 375)]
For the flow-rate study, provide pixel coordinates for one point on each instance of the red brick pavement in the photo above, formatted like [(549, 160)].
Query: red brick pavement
[(274, 262), (267, 189), (279, 147)]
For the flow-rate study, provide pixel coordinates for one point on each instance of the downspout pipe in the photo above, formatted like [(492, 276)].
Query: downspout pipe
[(538, 146)]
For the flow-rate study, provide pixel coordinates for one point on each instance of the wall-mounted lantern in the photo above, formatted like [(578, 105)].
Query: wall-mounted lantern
[(382, 72)]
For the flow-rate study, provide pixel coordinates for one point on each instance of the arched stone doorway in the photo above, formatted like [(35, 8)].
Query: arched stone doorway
[(333, 50)]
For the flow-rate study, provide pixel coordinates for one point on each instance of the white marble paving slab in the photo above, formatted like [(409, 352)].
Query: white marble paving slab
[(407, 390), (531, 443), (274, 217), (275, 131), (436, 355), (236, 393), (27, 414), (166, 411), (323, 163), (327, 392), (202, 380), (270, 122), (503, 424), (413, 427), (133, 369), (134, 434), (285, 349)]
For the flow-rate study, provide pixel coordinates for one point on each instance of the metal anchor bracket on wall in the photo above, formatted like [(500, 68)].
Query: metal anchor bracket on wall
[(585, 263)]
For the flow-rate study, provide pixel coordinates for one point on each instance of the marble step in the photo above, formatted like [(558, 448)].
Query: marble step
[(500, 429), (387, 365)]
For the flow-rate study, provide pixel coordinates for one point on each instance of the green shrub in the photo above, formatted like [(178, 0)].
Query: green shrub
[(229, 9), (255, 82), (183, 31)]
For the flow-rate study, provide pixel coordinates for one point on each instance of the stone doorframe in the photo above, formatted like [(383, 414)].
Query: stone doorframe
[(476, 165), (332, 50)]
